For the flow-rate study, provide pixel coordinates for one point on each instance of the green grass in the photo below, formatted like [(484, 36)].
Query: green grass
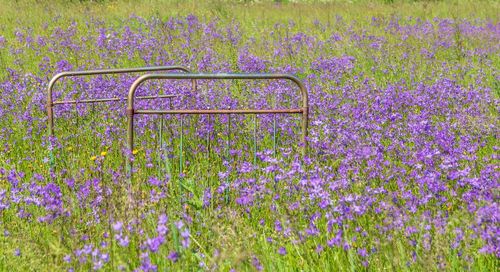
[(228, 228)]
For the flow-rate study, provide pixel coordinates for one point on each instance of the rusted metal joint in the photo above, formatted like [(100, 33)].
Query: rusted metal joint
[(130, 112)]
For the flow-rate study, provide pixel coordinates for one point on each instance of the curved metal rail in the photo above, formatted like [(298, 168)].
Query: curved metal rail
[(131, 111), (55, 79)]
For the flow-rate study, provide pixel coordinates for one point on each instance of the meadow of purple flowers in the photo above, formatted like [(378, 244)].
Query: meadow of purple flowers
[(402, 170)]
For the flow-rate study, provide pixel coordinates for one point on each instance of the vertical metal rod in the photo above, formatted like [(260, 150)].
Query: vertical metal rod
[(77, 135), (208, 151), (129, 162), (208, 137), (228, 155), (160, 131), (181, 147), (228, 136), (171, 132), (52, 159), (274, 135), (166, 149), (93, 126), (180, 159), (195, 85), (76, 114), (255, 139), (305, 121), (161, 145)]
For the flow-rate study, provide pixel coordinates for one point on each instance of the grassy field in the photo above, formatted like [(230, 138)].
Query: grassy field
[(401, 172)]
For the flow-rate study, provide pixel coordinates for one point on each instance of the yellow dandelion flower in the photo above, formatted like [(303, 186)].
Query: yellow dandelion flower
[(135, 151), (104, 153), (93, 158), (70, 148)]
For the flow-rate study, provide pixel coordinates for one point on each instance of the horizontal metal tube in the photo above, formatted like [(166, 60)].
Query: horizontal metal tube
[(236, 111), (141, 79), (110, 99), (122, 71)]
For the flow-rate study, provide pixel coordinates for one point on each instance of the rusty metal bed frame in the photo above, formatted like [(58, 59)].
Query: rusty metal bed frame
[(51, 103), (131, 111)]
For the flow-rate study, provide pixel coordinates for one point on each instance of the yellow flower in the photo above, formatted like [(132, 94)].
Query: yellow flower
[(70, 148), (104, 153), (135, 151), (93, 158)]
